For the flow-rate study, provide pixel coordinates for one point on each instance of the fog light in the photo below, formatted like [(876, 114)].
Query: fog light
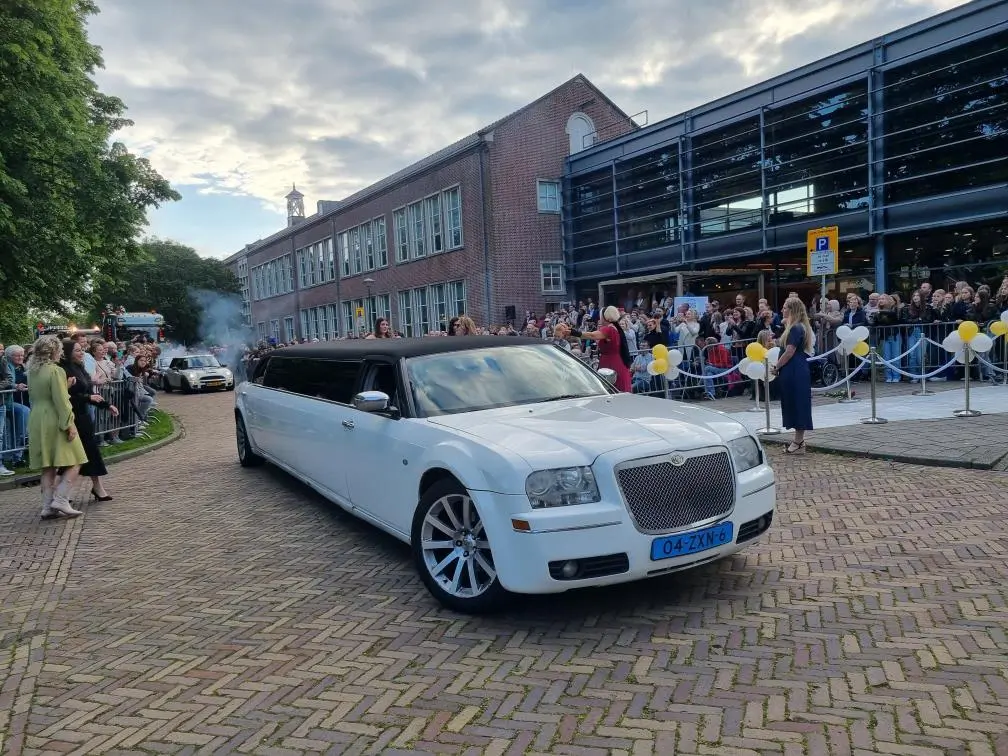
[(569, 569)]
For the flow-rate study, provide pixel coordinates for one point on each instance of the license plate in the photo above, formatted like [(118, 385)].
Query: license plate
[(669, 547), (215, 384)]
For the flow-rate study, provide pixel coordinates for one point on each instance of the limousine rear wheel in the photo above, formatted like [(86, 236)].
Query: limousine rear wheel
[(246, 456), (452, 550)]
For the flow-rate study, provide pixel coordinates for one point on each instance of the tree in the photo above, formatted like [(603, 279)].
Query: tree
[(72, 201), (198, 297)]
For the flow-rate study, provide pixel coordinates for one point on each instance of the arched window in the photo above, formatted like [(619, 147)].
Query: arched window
[(581, 131)]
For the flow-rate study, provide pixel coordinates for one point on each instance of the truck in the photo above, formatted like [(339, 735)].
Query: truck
[(119, 325)]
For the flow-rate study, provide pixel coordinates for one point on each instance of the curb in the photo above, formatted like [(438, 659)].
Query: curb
[(178, 431), (905, 459)]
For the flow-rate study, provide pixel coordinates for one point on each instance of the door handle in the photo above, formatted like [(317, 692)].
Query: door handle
[(348, 424)]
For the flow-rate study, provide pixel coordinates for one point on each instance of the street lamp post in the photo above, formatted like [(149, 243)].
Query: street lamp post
[(369, 282)]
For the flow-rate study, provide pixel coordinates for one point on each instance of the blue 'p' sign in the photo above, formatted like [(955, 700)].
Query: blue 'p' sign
[(822, 244)]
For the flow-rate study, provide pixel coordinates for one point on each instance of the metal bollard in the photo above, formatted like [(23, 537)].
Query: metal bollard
[(847, 380), (874, 419), (1004, 358), (923, 390), (767, 430), (968, 411)]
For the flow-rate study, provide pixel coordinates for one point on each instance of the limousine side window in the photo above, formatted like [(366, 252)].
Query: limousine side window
[(333, 380)]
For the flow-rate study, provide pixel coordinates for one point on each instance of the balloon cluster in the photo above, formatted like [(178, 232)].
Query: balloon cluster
[(666, 362), (969, 334), (754, 364), (853, 340)]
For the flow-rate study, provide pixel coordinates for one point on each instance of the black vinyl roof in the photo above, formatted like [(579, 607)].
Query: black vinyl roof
[(400, 348)]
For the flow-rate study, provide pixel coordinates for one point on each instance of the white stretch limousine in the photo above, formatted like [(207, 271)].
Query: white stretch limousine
[(506, 463)]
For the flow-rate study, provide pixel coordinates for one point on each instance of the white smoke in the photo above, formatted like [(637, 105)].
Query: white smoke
[(222, 325)]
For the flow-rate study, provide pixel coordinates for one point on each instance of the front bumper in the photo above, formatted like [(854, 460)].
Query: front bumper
[(603, 540)]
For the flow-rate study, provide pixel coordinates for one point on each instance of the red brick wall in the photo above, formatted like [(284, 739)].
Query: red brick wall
[(465, 264), (529, 146), (533, 146)]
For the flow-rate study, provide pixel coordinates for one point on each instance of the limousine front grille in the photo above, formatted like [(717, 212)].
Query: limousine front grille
[(662, 497)]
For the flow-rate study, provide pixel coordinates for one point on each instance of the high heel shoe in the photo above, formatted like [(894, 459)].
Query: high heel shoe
[(100, 498), (798, 448)]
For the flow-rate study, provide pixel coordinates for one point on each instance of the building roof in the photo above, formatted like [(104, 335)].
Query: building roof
[(356, 349), (441, 156)]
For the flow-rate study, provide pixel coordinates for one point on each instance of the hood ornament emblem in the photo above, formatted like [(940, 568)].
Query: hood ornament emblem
[(677, 460)]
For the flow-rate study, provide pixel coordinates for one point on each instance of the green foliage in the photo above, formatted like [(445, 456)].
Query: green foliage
[(72, 202), (172, 279)]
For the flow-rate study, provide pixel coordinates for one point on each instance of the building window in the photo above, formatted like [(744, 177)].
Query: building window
[(275, 329), (289, 329), (552, 277), (438, 307), (406, 314), (401, 235), (344, 253), (581, 132), (456, 298), (452, 200), (418, 246), (348, 318), (272, 278), (421, 311), (381, 242), (261, 330), (367, 242), (647, 199), (432, 216), (548, 196)]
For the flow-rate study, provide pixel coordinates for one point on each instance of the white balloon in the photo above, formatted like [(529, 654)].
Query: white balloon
[(755, 370), (1004, 317), (672, 373), (843, 332), (961, 356), (773, 355), (861, 332), (675, 357), (981, 343), (744, 363), (953, 342), (848, 344), (652, 368)]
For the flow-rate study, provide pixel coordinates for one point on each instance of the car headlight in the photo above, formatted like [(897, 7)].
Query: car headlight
[(746, 453), (192, 377), (226, 373), (562, 488)]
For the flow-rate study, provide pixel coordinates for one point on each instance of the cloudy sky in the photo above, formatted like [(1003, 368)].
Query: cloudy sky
[(236, 99)]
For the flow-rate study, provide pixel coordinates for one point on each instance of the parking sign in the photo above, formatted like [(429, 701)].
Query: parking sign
[(823, 251)]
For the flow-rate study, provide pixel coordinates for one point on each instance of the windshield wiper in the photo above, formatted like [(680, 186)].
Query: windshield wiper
[(561, 397)]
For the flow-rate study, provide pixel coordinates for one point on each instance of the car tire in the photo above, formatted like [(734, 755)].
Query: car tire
[(246, 456), (230, 388), (468, 583), (166, 386), (186, 388)]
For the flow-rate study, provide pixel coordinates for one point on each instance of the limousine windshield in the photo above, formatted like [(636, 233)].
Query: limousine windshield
[(480, 379)]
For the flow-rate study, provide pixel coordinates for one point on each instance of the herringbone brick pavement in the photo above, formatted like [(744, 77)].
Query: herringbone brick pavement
[(209, 609)]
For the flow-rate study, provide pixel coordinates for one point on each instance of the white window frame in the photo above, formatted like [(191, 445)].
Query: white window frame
[(454, 288), (401, 234), (452, 223), (275, 330), (288, 322), (378, 226), (348, 318), (433, 224), (343, 247), (552, 265), (261, 330), (406, 313), (548, 205)]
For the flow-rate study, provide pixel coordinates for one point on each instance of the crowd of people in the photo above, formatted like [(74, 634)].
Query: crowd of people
[(107, 387)]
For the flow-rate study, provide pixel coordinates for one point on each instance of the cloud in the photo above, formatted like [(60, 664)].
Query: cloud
[(247, 96)]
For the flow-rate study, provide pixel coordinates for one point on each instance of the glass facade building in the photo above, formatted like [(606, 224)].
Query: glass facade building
[(901, 142)]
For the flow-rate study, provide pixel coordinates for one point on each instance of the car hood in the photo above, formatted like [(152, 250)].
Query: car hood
[(577, 431), (204, 370)]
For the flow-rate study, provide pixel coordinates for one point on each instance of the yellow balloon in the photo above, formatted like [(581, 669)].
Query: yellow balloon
[(660, 366), (861, 349), (999, 328), (660, 352), (755, 352), (967, 330)]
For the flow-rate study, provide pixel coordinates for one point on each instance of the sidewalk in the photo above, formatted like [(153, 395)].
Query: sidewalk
[(921, 429)]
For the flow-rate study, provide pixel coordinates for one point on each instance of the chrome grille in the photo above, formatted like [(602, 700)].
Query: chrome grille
[(662, 497)]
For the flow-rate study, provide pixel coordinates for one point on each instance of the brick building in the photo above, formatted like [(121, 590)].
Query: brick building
[(473, 228)]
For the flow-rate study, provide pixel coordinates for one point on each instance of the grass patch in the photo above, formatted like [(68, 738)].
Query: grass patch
[(159, 427)]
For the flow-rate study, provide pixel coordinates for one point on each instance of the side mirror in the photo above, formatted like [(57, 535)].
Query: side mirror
[(608, 375), (371, 401)]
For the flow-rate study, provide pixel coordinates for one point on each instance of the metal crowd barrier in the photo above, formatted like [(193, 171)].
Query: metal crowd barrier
[(133, 400)]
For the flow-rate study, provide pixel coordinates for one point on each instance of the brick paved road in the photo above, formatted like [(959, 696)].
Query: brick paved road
[(213, 609)]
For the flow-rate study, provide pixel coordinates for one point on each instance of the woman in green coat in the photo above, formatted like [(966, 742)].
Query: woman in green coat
[(53, 436)]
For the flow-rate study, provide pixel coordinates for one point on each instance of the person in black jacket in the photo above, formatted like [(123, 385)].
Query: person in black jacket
[(82, 395)]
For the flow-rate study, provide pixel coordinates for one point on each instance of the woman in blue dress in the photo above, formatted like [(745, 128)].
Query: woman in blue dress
[(792, 371)]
